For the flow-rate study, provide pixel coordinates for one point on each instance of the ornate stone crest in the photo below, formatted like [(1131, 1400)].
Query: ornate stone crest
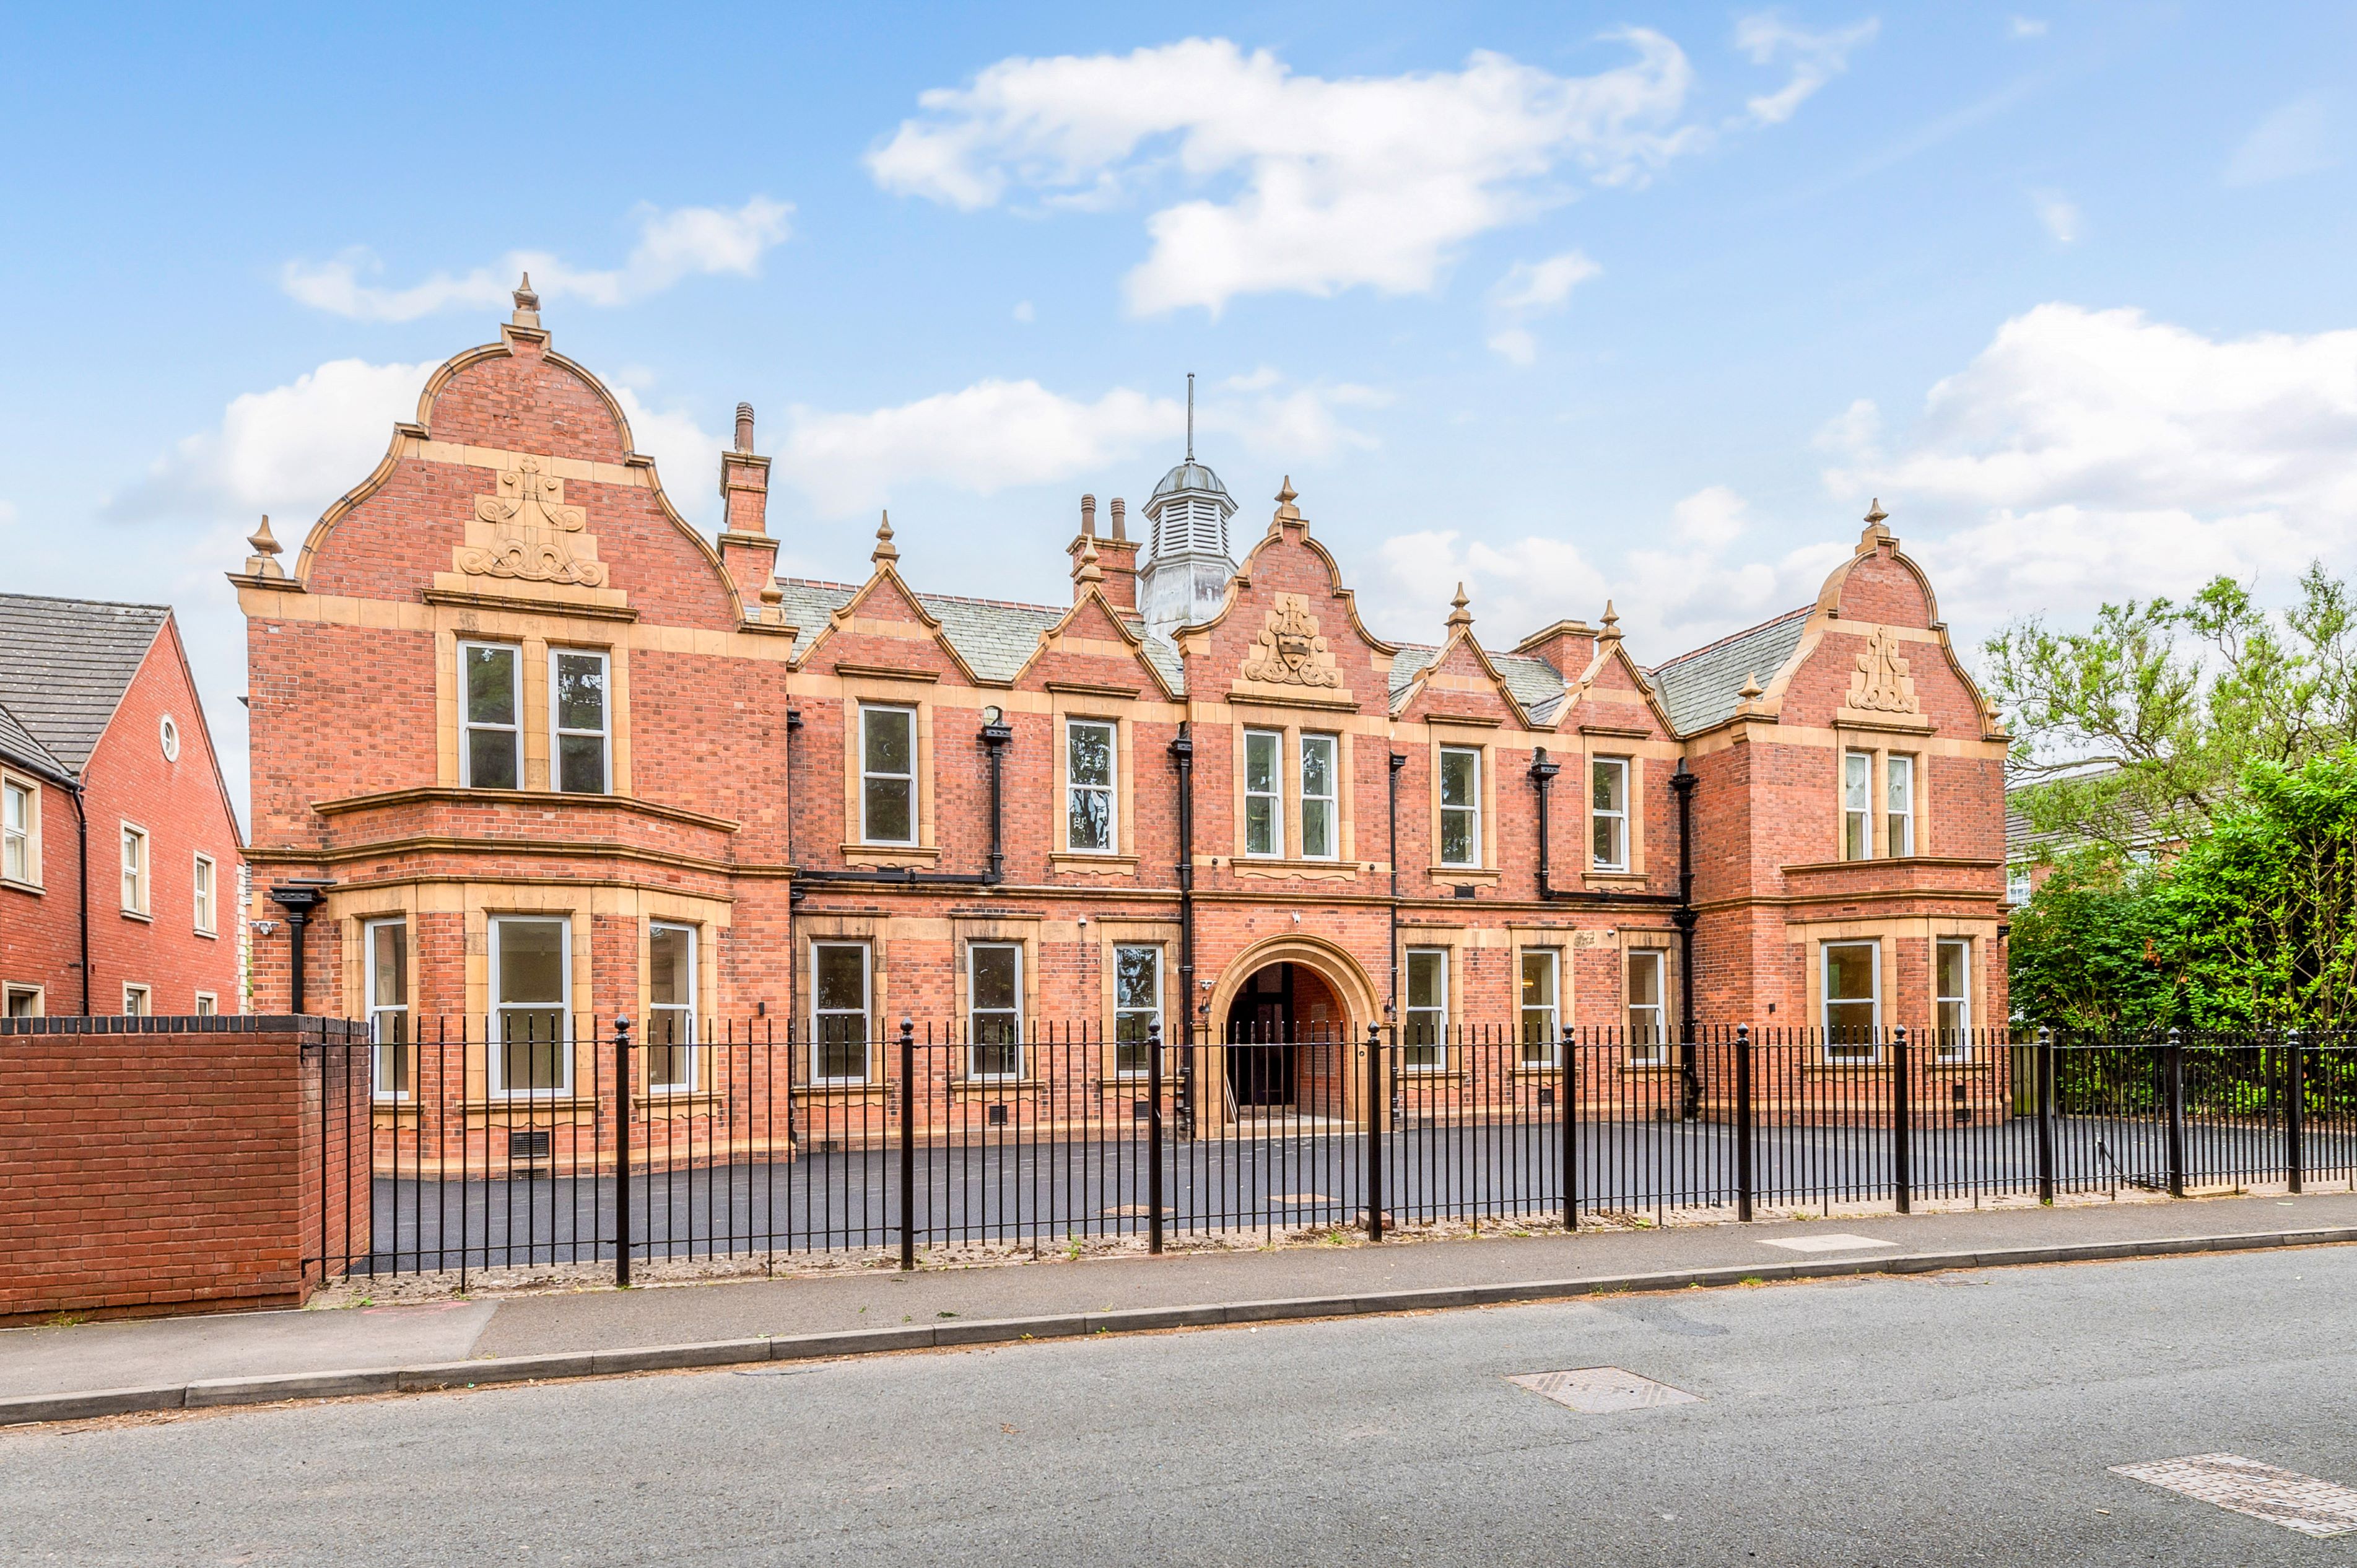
[(1290, 653), (1881, 683), (532, 536)]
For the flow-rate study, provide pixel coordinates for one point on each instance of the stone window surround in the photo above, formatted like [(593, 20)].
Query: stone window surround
[(815, 930), (861, 693), (1923, 931), (1446, 737), (1340, 866), (1113, 932), (39, 993), (1850, 739), (1023, 933), (31, 882), (535, 676), (1122, 859), (145, 874), (1631, 751), (204, 878)]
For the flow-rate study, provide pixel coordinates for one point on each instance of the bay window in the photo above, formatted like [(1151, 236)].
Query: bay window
[(1899, 804), (579, 720), (671, 1005), (1952, 998), (1857, 805), (385, 981), (1853, 1000), (532, 984), (490, 680)]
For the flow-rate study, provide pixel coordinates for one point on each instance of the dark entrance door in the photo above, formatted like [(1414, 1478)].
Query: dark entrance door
[(1261, 1050)]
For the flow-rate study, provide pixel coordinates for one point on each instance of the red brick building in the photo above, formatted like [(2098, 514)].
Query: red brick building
[(525, 744), (119, 853)]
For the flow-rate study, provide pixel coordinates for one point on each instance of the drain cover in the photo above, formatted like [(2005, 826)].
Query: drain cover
[(2261, 1491), (1599, 1390)]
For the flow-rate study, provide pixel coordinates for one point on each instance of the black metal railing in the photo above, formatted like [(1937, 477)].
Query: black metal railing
[(532, 1139)]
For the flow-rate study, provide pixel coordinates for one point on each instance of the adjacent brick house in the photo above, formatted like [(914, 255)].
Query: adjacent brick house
[(525, 745), (119, 852)]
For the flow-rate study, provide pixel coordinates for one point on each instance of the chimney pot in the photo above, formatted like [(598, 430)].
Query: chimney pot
[(1087, 516), (1120, 517), (745, 427)]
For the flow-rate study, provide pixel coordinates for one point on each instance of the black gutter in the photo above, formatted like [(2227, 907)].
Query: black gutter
[(995, 735), (1391, 789), (1542, 772), (1182, 757), (81, 838)]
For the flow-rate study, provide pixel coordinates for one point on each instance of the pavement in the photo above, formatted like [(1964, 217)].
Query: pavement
[(1971, 1416), (95, 1369)]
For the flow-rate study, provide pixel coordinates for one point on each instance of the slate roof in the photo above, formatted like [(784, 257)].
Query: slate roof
[(18, 745), (994, 637), (65, 664), (1704, 687), (1535, 683)]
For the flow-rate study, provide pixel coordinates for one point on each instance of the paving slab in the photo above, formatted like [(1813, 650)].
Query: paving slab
[(209, 1347)]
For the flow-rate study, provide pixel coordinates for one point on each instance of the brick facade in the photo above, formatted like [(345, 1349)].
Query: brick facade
[(733, 739), (180, 955)]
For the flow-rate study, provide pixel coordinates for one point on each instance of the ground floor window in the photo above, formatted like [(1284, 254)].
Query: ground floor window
[(671, 1006), (531, 979), (839, 1012), (1540, 1010), (135, 1003), (208, 1004), (21, 1001), (1952, 991), (1136, 1008), (994, 1016), (384, 967), (1853, 993), (1648, 1022), (1424, 1047)]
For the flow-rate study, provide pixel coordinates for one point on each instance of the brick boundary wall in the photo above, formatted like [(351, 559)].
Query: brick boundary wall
[(164, 1164)]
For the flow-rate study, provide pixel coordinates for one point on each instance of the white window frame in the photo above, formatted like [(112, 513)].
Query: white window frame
[(972, 1012), (378, 1012), (1618, 817), (208, 1004), (1331, 801), (1655, 1051), (8, 995), (1151, 1014), (1110, 790), (562, 1007), (204, 893), (866, 1015), (1548, 1014), (167, 737), (682, 1042), (468, 726), (1848, 1053), (1470, 809), (1857, 805), (2017, 888), (138, 870), (138, 1001), (23, 840), (1274, 794), (1899, 804), (1433, 1013), (1953, 1044), (867, 711), (558, 733)]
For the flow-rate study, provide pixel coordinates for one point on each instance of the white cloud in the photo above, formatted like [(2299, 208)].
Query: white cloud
[(999, 434), (2296, 139), (680, 244), (1853, 433), (2060, 216), (1533, 288), (2025, 27), (1817, 58), (1713, 518), (1323, 184), (2089, 455), (686, 459), (290, 451)]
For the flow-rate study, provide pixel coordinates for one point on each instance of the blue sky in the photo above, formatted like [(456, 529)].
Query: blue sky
[(1566, 301)]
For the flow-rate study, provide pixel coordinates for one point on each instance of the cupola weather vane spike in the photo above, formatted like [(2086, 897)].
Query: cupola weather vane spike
[(1190, 417)]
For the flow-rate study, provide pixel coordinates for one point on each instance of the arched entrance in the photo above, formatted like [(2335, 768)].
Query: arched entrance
[(1279, 1016)]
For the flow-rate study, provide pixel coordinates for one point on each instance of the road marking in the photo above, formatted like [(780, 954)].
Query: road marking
[(2258, 1491), (1834, 1242), (1601, 1391)]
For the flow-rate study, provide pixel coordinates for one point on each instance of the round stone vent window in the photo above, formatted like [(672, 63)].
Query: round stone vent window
[(168, 732)]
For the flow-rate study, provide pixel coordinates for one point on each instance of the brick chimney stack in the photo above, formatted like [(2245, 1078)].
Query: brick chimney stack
[(745, 547), (1116, 557)]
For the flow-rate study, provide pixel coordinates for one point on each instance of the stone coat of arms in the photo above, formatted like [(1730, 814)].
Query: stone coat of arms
[(1289, 651)]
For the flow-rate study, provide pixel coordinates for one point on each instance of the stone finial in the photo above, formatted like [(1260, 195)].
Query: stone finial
[(1611, 632), (265, 547), (1457, 614), (1286, 496), (1088, 517), (527, 304), (745, 428), (885, 549), (1752, 690), (1873, 532), (1874, 514), (1088, 571), (1120, 517), (772, 594)]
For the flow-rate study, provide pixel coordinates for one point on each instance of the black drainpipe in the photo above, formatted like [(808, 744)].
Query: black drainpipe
[(793, 889), (1542, 772), (299, 898), (1182, 756), (1391, 795), (1683, 916), (81, 838), (996, 734)]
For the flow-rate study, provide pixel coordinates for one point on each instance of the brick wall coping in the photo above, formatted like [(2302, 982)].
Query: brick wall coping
[(308, 1027)]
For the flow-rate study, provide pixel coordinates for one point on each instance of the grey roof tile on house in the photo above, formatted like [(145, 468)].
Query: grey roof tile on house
[(65, 664), (1535, 683), (18, 745), (1704, 687), (994, 637)]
